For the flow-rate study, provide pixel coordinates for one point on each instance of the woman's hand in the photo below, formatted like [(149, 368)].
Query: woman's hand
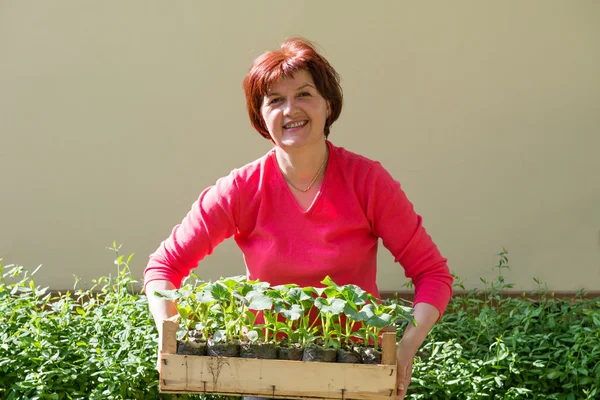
[(160, 309), (405, 355), (426, 316), (158, 360)]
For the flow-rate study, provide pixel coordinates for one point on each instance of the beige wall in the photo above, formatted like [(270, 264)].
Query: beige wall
[(114, 115)]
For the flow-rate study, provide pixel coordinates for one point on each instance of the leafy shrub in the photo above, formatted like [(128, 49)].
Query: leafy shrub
[(490, 346), (86, 344), (101, 343)]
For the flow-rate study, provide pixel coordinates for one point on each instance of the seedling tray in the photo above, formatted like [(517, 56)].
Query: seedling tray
[(235, 376)]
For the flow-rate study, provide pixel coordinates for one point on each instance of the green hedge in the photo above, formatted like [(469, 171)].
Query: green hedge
[(101, 343)]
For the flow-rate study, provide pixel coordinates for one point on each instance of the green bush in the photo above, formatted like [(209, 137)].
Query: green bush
[(101, 343), (87, 344), (490, 346)]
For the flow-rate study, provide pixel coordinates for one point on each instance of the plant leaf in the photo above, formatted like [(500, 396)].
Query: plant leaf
[(330, 306), (354, 295), (365, 313), (259, 301), (220, 292), (252, 336), (329, 282), (292, 314), (380, 321), (219, 336)]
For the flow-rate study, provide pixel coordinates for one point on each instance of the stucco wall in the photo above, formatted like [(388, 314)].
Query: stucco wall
[(114, 115)]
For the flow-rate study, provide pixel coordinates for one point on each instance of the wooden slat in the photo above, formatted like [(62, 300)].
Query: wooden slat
[(276, 378), (388, 351), (169, 335)]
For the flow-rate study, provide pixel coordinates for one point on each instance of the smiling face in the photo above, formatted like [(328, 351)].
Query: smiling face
[(295, 112)]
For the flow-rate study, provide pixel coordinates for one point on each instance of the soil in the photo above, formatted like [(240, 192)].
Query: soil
[(349, 356), (370, 355), (191, 348), (227, 349), (259, 350), (197, 346), (293, 352), (315, 352), (196, 335)]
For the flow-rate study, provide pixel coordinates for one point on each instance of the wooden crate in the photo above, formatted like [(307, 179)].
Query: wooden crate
[(275, 378)]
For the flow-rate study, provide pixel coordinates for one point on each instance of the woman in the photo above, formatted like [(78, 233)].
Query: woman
[(307, 208)]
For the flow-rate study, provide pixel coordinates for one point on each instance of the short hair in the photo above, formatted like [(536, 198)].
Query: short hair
[(296, 54)]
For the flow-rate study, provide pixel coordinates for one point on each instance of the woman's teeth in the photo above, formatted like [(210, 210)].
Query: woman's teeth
[(295, 125)]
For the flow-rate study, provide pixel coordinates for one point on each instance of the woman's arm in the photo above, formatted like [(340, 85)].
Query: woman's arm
[(426, 316), (394, 220), (160, 309), (211, 219)]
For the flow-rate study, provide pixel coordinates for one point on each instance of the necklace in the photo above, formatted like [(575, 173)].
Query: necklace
[(311, 182)]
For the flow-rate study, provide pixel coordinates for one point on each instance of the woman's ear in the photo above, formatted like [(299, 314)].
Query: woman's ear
[(328, 109)]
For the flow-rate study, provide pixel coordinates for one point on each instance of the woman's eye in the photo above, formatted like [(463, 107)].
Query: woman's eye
[(275, 100), (304, 94)]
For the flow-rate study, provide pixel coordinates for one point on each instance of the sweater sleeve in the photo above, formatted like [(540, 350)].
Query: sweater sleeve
[(212, 219), (395, 221)]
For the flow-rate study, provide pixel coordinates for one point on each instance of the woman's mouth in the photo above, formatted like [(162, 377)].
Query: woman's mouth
[(297, 124)]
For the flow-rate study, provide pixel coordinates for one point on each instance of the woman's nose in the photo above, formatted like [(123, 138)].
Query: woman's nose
[(290, 107)]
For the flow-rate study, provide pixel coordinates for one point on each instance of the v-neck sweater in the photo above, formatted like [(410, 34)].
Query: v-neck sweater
[(358, 203)]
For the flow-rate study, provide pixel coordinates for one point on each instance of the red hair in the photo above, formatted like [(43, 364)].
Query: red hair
[(296, 54)]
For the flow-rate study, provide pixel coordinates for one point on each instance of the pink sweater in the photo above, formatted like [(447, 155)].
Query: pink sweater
[(358, 203)]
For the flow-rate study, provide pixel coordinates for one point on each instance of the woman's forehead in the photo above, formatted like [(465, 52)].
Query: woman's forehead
[(297, 81)]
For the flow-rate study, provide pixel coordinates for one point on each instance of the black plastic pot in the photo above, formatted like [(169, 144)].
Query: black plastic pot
[(259, 350), (223, 349), (293, 352), (348, 355), (370, 355), (191, 348), (315, 352)]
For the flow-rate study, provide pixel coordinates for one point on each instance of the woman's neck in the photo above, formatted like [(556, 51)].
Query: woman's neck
[(301, 165)]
